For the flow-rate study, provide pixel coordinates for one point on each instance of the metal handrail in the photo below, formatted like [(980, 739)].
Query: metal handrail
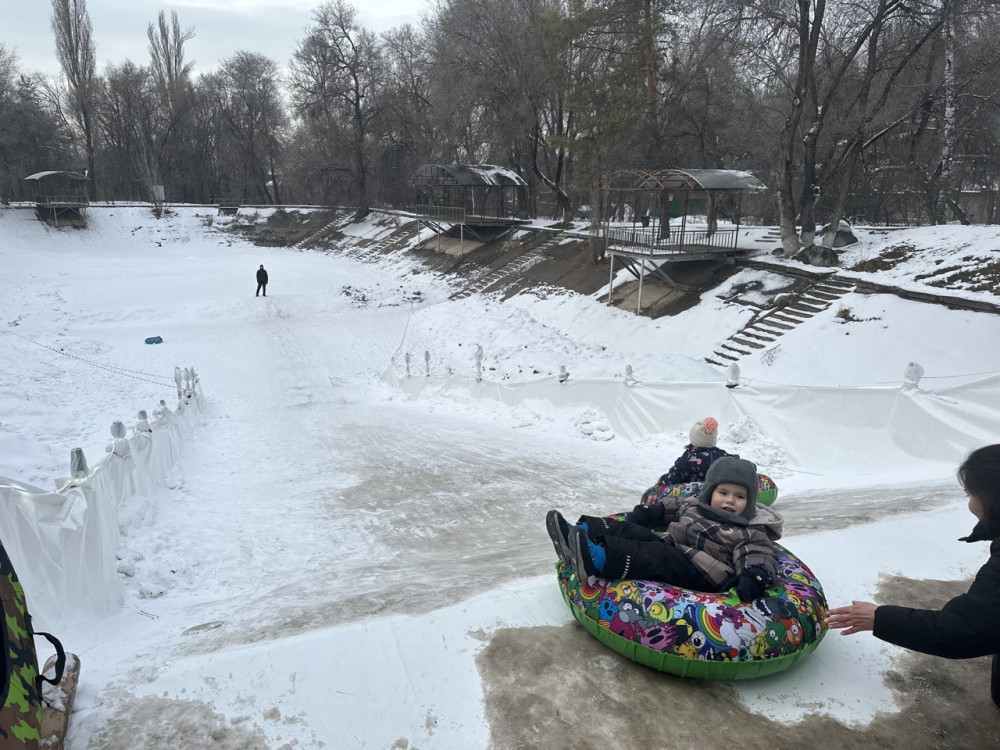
[(70, 200), (454, 214), (646, 238)]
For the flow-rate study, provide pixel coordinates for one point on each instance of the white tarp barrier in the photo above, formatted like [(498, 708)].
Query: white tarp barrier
[(822, 427), (64, 544)]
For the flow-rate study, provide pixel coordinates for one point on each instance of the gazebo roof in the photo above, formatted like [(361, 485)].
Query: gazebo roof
[(682, 179), (49, 173), (469, 175)]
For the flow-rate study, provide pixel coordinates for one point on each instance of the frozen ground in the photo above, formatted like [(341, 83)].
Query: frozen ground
[(336, 565)]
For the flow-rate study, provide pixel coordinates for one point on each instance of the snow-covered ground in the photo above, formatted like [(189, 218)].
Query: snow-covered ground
[(339, 562)]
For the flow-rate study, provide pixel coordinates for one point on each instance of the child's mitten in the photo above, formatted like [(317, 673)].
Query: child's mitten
[(751, 584)]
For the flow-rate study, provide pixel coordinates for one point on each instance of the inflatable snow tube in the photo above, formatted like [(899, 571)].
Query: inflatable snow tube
[(711, 636), (767, 491)]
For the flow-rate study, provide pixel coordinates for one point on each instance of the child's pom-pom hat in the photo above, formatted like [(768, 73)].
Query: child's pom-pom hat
[(704, 433)]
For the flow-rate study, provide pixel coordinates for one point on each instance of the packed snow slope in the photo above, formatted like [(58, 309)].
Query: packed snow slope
[(341, 563)]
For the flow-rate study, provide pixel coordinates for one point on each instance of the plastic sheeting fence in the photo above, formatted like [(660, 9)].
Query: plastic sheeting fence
[(64, 544), (823, 427)]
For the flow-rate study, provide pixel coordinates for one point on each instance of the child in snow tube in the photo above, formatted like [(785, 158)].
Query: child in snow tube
[(720, 540), (685, 477), (698, 455)]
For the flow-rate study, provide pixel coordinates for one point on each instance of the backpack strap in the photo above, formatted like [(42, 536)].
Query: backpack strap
[(60, 663)]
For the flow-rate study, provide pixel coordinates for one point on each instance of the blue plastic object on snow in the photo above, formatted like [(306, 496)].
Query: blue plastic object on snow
[(154, 340)]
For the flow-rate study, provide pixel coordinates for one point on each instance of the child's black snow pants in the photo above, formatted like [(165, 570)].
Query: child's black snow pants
[(636, 552)]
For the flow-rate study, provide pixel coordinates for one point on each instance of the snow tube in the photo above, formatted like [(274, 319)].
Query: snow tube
[(767, 491), (154, 340), (711, 636)]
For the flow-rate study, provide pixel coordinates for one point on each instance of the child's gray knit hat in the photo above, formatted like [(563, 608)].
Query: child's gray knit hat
[(730, 470)]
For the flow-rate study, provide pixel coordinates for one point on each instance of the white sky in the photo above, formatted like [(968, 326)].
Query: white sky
[(271, 27), (335, 547)]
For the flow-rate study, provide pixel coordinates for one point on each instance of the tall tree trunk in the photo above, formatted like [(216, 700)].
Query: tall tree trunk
[(947, 128), (652, 95)]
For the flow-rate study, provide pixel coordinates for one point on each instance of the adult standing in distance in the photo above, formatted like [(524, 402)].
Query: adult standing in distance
[(967, 626), (261, 280)]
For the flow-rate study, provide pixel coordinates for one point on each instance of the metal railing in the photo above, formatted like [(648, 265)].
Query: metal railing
[(62, 200), (451, 214), (646, 239)]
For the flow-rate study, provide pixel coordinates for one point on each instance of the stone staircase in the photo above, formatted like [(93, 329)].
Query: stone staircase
[(516, 266), (396, 240), (767, 325), (340, 218), (365, 248), (771, 237)]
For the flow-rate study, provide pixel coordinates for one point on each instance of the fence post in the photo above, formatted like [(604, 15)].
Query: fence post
[(733, 375), (427, 363), (177, 379), (911, 378), (78, 464)]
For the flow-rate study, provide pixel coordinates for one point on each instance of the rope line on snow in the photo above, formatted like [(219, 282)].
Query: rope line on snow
[(403, 339), (814, 385), (966, 375), (134, 374)]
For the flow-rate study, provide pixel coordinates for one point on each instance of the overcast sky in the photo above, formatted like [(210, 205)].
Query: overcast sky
[(271, 27)]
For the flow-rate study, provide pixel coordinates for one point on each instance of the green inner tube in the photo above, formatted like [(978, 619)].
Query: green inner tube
[(699, 634)]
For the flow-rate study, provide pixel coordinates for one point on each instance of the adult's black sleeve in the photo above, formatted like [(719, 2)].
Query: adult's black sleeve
[(967, 626)]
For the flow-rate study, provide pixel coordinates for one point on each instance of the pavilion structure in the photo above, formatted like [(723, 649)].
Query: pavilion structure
[(645, 218), (60, 197), (482, 200)]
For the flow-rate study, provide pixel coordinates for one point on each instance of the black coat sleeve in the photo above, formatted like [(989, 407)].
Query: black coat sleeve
[(967, 626)]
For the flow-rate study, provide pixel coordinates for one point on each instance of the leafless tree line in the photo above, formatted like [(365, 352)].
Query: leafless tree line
[(874, 110)]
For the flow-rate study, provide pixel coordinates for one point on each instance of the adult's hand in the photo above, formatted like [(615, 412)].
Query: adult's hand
[(858, 617)]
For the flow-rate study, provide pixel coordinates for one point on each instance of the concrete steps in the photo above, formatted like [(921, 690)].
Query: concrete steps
[(341, 218), (766, 327), (516, 266)]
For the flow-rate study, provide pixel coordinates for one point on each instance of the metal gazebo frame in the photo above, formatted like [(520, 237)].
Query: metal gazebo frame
[(58, 193), (642, 201), (471, 196)]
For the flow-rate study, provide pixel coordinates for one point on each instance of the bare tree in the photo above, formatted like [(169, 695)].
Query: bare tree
[(254, 115), (172, 76), (128, 115), (336, 80), (78, 57), (32, 137)]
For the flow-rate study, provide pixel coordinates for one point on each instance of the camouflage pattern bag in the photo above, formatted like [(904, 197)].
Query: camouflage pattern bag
[(20, 685)]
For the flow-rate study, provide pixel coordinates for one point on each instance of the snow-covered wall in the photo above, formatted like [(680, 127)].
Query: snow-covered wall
[(64, 544), (820, 427)]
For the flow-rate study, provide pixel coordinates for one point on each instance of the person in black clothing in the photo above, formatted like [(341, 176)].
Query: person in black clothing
[(968, 625), (261, 280)]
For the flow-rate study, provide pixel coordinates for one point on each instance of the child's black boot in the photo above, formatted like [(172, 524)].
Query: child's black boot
[(582, 550), (558, 530)]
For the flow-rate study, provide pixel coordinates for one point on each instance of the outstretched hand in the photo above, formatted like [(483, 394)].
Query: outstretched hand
[(858, 617)]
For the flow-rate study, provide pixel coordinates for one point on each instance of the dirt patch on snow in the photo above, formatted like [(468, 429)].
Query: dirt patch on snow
[(560, 688), (889, 258), (973, 274), (161, 723)]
